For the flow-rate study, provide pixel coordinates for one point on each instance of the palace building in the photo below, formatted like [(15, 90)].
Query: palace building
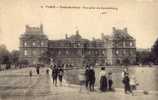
[(111, 49)]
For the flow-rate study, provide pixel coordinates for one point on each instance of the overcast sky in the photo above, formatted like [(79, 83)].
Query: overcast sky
[(139, 16)]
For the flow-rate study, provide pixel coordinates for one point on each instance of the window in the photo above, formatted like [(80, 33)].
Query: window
[(33, 43), (124, 52), (67, 52), (103, 52), (42, 43), (79, 52), (89, 52), (25, 53), (124, 44), (117, 52), (96, 52), (34, 52), (131, 44), (59, 52), (131, 52), (42, 51), (25, 44)]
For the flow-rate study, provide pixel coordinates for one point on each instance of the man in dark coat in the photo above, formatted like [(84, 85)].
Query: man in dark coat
[(87, 76), (91, 78), (60, 75), (55, 75), (126, 81), (37, 69)]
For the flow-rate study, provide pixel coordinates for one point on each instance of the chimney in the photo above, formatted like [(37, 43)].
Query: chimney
[(113, 29), (125, 30), (66, 36), (27, 28), (102, 35), (77, 32), (41, 28)]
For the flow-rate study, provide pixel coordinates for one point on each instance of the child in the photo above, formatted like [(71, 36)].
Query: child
[(60, 75), (81, 77), (126, 82), (47, 71), (110, 82), (30, 73), (133, 83)]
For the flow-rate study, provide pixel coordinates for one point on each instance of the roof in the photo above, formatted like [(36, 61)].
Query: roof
[(121, 34), (76, 37)]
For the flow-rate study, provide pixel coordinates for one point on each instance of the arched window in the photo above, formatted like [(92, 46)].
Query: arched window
[(33, 43), (117, 52), (25, 52), (34, 52), (131, 44), (42, 51), (67, 52), (42, 43), (59, 52), (25, 44), (124, 52)]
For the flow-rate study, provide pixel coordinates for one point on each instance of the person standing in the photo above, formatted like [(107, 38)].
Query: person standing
[(37, 69), (126, 82), (47, 71), (60, 75), (133, 83), (87, 76), (110, 81), (81, 78), (91, 78), (30, 73), (124, 72), (103, 80), (55, 75)]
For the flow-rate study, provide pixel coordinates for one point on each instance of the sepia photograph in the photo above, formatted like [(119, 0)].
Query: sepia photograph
[(78, 50)]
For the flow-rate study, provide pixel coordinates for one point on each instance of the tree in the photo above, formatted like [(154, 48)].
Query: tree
[(154, 52), (125, 61), (45, 58), (15, 56), (143, 57), (23, 62), (4, 55)]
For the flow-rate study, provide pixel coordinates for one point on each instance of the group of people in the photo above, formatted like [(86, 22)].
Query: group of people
[(88, 79), (57, 73), (105, 80), (130, 83)]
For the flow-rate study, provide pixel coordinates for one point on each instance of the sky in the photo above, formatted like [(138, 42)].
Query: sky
[(139, 16)]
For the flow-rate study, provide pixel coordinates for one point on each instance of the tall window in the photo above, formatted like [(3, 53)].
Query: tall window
[(124, 52), (131, 44), (34, 52), (25, 52), (67, 52), (25, 44), (117, 52), (33, 43), (42, 52), (124, 44), (59, 52), (42, 43)]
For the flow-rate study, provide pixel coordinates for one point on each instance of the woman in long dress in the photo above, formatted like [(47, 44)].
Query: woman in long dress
[(103, 80)]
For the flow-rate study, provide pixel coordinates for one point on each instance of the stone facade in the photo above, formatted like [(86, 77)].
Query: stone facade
[(76, 50), (120, 47), (33, 43)]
